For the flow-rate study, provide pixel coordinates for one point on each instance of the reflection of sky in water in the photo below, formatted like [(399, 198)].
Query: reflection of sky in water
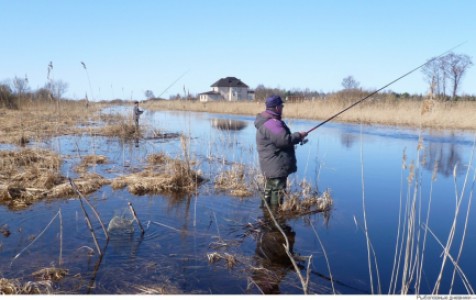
[(332, 159)]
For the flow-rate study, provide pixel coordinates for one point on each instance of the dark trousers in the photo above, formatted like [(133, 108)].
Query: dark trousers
[(274, 191)]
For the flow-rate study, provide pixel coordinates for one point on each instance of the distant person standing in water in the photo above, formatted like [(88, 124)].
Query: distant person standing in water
[(275, 145), (137, 113)]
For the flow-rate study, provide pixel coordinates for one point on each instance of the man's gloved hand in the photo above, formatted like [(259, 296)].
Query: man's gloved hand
[(303, 137)]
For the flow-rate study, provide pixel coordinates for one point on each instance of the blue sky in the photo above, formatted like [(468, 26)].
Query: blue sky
[(133, 46)]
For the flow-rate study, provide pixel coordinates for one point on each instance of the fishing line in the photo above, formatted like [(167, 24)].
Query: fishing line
[(385, 86), (173, 83)]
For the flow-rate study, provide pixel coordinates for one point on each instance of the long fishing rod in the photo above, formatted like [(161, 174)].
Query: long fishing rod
[(173, 83), (385, 86)]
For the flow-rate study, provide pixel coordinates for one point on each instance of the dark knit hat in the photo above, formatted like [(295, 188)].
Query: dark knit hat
[(273, 101)]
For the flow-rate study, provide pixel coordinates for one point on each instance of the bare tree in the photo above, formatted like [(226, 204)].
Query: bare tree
[(451, 67), (457, 65), (57, 88), (349, 83), (20, 85), (432, 73), (149, 94)]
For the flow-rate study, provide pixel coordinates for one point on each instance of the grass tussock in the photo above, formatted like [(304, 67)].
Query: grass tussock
[(234, 182), (29, 175), (86, 183), (26, 173), (16, 287), (306, 201), (50, 273), (90, 161), (215, 257), (163, 174), (124, 130)]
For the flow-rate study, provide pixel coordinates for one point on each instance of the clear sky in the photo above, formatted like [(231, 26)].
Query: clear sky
[(133, 46)]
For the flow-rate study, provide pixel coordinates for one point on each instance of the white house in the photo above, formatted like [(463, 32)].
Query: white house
[(228, 89)]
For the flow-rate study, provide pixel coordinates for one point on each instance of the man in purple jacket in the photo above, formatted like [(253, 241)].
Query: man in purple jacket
[(275, 145)]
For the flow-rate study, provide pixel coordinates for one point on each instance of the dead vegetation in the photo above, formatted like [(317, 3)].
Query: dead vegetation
[(306, 201), (16, 287), (229, 259), (34, 121), (50, 273), (234, 182), (380, 109), (163, 174), (29, 175), (123, 129), (90, 161), (43, 283)]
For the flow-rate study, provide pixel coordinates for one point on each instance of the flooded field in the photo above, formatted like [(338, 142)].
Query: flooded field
[(399, 197)]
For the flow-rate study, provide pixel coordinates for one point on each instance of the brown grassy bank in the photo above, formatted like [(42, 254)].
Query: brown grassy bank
[(457, 115)]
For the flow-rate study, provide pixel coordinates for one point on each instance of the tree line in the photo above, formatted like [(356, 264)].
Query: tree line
[(443, 74)]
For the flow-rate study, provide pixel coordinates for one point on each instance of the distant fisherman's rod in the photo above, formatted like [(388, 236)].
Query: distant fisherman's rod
[(385, 86)]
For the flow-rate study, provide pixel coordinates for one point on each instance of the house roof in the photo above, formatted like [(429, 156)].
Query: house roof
[(212, 93), (229, 82)]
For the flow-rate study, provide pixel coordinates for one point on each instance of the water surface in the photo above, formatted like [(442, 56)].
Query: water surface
[(360, 165)]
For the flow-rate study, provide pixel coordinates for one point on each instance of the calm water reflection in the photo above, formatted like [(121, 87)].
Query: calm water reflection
[(349, 160)]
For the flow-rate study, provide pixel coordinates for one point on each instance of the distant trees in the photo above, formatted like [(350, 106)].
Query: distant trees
[(149, 94), (349, 83), (57, 88), (6, 96), (20, 85), (448, 69)]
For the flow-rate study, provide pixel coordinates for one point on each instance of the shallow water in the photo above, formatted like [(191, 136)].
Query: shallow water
[(360, 165)]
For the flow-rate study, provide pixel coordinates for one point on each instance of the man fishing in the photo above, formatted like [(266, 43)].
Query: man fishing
[(137, 112), (275, 145)]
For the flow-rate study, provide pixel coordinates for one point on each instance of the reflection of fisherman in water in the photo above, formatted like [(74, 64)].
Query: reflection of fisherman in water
[(271, 260)]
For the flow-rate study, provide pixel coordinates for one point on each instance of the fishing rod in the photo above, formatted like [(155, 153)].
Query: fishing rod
[(173, 83), (385, 86)]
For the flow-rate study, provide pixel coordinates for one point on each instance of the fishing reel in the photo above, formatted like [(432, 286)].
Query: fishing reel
[(304, 141)]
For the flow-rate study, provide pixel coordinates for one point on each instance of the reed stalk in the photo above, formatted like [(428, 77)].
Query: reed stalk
[(464, 279), (304, 281), (60, 259), (81, 197), (35, 239), (366, 231), (451, 234), (135, 217), (397, 253), (460, 250), (325, 257)]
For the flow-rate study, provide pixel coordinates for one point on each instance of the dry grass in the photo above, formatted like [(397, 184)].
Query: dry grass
[(86, 183), (38, 120), (234, 181), (16, 287), (29, 175), (90, 161), (376, 110), (123, 129), (306, 201), (229, 259), (163, 174), (50, 273)]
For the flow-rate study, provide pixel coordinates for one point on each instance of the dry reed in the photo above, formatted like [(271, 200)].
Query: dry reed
[(89, 161), (164, 175), (28, 175), (38, 120), (16, 287), (306, 201), (234, 181), (376, 110)]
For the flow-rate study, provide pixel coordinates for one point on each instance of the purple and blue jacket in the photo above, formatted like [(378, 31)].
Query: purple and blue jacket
[(275, 145)]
